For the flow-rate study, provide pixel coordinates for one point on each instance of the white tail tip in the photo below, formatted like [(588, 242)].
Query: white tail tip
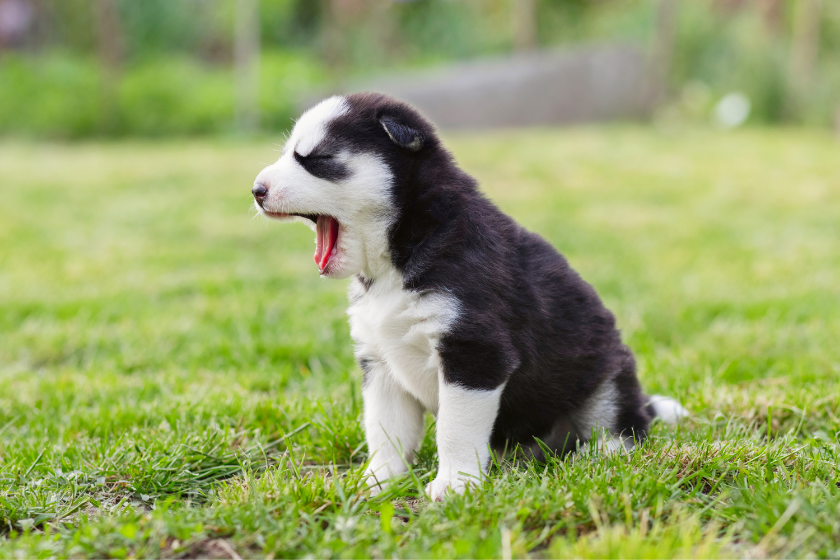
[(667, 409)]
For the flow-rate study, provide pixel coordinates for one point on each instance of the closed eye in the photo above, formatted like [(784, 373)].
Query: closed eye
[(313, 156), (323, 165)]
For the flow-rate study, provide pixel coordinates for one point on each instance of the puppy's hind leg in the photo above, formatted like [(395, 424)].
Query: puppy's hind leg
[(393, 425)]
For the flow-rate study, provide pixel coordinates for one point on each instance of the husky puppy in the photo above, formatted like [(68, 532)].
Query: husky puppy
[(454, 308)]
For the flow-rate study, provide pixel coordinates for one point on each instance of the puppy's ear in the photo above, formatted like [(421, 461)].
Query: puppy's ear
[(402, 135)]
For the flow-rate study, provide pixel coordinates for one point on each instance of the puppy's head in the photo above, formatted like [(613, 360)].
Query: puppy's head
[(340, 171)]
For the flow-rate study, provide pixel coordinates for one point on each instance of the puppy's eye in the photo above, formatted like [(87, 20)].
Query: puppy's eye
[(323, 165), (313, 156)]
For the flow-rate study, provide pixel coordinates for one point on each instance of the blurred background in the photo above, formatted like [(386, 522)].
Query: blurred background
[(115, 68)]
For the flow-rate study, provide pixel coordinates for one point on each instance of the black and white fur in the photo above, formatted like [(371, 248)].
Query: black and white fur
[(454, 308)]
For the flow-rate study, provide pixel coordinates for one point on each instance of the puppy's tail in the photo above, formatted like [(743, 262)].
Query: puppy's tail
[(666, 409)]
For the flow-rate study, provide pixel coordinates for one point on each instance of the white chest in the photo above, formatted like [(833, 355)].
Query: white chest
[(400, 330)]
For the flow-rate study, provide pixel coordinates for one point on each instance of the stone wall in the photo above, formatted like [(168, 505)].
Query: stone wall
[(529, 89)]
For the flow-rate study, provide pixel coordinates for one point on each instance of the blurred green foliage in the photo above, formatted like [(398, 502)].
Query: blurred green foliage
[(62, 95), (736, 51), (174, 70)]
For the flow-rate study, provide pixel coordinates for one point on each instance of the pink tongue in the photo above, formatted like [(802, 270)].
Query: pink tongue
[(326, 233)]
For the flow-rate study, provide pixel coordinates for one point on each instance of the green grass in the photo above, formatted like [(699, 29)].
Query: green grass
[(175, 379)]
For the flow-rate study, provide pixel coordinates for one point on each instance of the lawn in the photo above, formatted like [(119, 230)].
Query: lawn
[(176, 381)]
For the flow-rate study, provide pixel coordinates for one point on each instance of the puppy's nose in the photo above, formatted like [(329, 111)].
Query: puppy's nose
[(259, 191)]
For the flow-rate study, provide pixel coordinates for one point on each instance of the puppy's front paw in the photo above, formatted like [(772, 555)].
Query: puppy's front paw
[(437, 488)]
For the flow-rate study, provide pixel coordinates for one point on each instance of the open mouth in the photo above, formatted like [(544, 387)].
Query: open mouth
[(326, 236)]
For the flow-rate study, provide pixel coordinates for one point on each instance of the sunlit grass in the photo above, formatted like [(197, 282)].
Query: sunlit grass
[(175, 379)]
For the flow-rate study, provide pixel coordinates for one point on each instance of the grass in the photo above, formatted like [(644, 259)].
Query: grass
[(176, 381)]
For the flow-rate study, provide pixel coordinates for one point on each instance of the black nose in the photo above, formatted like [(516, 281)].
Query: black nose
[(259, 191)]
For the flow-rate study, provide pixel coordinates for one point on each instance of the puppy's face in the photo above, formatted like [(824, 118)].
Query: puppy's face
[(336, 174)]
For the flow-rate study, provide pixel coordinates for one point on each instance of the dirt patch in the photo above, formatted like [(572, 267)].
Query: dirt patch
[(212, 548)]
